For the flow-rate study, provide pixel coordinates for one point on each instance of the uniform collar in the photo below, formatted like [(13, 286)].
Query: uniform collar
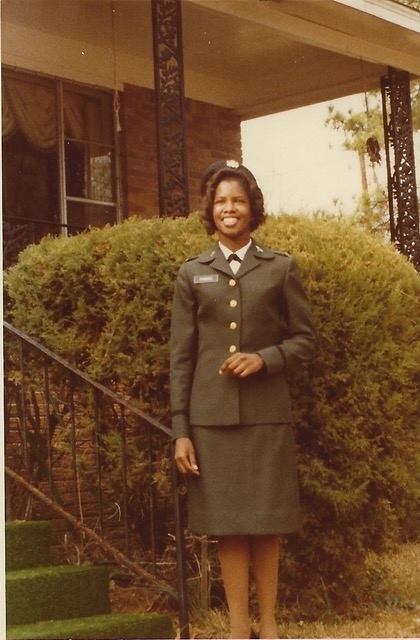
[(240, 252), (215, 257)]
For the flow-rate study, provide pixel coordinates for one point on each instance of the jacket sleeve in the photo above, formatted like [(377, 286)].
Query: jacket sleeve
[(183, 349), (299, 344)]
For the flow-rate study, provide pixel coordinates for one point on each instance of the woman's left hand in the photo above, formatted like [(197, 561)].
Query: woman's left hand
[(241, 365)]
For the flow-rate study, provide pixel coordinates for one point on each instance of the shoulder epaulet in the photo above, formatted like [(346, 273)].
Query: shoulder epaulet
[(283, 253), (192, 258)]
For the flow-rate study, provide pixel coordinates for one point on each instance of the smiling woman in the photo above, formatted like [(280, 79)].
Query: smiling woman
[(232, 214), (236, 331), (230, 170)]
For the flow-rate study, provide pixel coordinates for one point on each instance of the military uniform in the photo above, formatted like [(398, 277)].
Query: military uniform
[(241, 428)]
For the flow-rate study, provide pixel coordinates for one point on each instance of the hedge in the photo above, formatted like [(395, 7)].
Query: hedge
[(102, 299), (26, 544)]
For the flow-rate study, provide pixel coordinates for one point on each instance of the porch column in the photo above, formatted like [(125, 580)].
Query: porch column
[(401, 171), (170, 107)]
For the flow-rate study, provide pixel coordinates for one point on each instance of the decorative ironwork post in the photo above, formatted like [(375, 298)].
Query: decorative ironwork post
[(399, 145), (170, 107)]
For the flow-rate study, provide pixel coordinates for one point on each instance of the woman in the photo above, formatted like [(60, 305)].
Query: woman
[(240, 323)]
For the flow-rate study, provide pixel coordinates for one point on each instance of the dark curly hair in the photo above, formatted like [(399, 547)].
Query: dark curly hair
[(246, 179)]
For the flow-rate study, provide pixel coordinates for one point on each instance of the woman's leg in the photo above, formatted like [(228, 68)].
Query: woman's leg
[(234, 555), (265, 552)]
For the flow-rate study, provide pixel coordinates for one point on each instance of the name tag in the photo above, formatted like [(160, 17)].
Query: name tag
[(205, 279)]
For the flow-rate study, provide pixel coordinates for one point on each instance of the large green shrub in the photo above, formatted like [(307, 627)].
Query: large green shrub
[(102, 300)]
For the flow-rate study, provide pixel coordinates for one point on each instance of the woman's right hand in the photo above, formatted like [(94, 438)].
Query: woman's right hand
[(185, 457)]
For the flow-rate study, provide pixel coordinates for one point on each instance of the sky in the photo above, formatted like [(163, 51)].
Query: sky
[(300, 164)]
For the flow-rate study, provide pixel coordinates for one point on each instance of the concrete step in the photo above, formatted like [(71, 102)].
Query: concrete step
[(27, 544), (56, 592), (122, 626)]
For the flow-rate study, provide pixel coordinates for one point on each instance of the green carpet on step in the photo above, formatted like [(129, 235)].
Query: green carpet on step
[(121, 626)]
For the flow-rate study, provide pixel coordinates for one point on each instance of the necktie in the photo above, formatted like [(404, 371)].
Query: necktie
[(235, 262)]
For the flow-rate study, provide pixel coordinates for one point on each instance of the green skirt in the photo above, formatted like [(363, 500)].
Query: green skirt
[(248, 481)]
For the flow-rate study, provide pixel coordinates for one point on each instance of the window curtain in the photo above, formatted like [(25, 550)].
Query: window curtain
[(82, 117), (31, 108), (73, 116)]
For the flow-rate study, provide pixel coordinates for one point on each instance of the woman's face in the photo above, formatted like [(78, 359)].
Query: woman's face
[(232, 213)]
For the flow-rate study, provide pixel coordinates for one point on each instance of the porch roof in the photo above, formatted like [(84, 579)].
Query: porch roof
[(253, 56)]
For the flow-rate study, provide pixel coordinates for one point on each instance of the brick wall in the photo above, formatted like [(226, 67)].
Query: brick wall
[(139, 177), (213, 133)]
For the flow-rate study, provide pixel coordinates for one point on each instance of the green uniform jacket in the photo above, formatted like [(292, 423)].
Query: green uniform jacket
[(262, 309)]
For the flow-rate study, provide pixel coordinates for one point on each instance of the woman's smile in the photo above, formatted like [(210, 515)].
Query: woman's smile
[(230, 221)]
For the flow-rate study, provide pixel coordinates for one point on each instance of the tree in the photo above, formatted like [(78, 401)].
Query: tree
[(364, 134), (414, 4)]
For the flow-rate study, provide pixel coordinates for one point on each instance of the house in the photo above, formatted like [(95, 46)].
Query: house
[(113, 108), (94, 91)]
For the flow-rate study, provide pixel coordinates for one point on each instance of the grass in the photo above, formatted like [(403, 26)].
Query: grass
[(383, 624), (394, 611)]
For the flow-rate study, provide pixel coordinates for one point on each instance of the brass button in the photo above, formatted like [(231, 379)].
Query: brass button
[(233, 325), (233, 303), (232, 282), (232, 348)]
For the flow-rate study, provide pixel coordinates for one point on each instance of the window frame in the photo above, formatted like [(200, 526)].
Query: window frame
[(60, 85)]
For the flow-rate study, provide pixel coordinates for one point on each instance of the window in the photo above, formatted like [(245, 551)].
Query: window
[(59, 155), (89, 158)]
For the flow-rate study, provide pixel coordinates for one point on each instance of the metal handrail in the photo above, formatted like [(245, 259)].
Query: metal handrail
[(52, 223), (126, 408), (84, 376), (19, 232)]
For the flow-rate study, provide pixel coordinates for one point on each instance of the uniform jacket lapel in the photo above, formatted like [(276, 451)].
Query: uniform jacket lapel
[(215, 259), (255, 257)]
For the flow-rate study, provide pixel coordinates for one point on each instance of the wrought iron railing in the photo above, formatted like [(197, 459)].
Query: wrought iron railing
[(91, 456), (19, 232)]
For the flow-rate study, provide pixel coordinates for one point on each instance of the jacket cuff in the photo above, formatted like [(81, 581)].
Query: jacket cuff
[(274, 358), (180, 426)]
